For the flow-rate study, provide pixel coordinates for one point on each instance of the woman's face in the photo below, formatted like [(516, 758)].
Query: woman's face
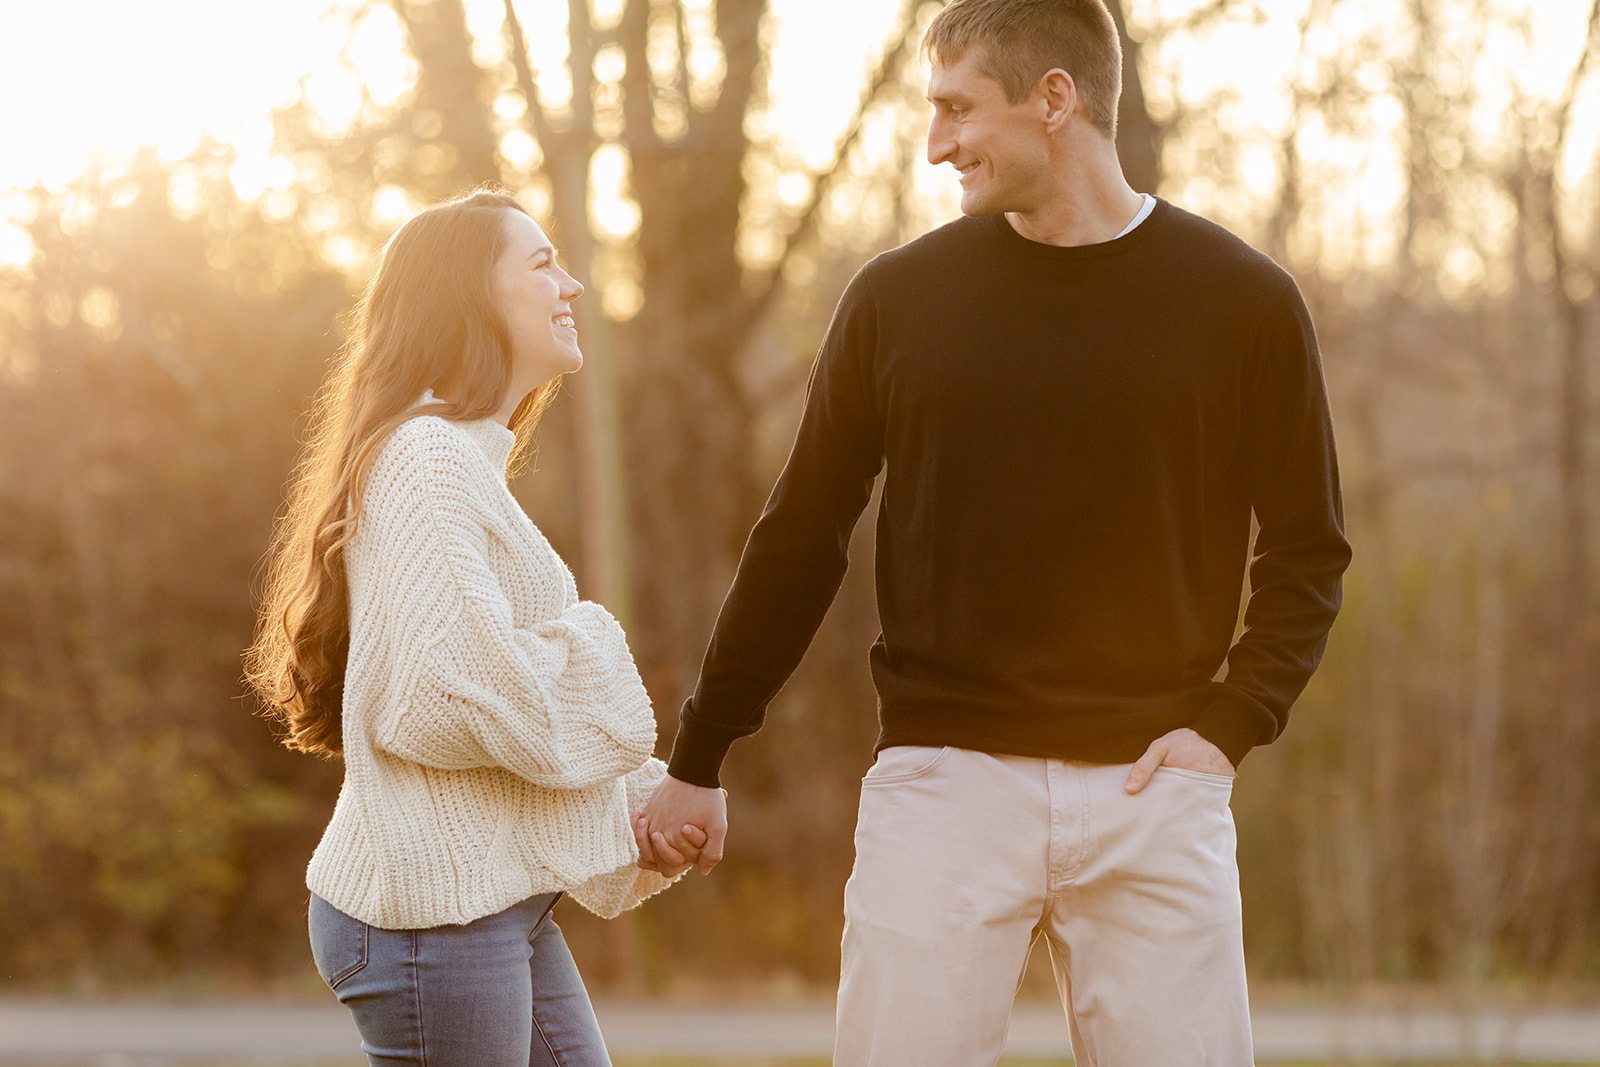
[(535, 298)]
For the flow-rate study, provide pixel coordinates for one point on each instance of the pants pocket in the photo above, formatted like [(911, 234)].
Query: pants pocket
[(1198, 776), (905, 763), (339, 943)]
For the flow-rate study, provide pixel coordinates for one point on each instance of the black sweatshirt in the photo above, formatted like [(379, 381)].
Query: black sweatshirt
[(1075, 439)]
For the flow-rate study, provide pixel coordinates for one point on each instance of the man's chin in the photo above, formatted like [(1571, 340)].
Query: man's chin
[(974, 203)]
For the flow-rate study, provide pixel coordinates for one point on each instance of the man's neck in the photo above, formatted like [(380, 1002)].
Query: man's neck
[(1091, 201)]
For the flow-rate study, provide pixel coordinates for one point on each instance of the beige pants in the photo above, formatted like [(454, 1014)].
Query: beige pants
[(964, 858)]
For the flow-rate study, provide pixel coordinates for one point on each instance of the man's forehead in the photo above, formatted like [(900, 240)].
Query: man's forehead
[(964, 73)]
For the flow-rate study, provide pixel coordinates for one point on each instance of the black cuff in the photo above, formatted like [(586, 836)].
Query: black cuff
[(1235, 723), (699, 749)]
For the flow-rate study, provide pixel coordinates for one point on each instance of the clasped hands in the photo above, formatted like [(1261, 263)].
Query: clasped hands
[(682, 826), (685, 825)]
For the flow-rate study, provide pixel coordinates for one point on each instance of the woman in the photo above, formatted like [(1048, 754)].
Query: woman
[(495, 733)]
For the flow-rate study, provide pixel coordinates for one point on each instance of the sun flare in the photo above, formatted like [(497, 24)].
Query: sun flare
[(102, 78)]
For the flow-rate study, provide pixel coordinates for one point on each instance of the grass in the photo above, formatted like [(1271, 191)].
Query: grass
[(823, 1061), (693, 1061)]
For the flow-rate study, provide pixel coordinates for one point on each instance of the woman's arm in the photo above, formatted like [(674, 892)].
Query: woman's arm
[(559, 702)]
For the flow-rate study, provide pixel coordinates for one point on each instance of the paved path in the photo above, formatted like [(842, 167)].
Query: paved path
[(137, 1034)]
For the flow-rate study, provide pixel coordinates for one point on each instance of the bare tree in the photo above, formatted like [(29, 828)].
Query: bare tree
[(677, 388)]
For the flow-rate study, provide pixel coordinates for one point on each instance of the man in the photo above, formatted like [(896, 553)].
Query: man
[(1081, 396)]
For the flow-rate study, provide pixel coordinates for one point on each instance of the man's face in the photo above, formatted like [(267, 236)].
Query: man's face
[(1000, 149)]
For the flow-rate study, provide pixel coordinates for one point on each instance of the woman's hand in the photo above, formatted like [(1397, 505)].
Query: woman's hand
[(670, 861), (663, 829)]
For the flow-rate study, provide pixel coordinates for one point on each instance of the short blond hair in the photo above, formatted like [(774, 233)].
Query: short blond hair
[(1023, 39)]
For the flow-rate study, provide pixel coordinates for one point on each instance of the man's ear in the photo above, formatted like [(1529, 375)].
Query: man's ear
[(1060, 96)]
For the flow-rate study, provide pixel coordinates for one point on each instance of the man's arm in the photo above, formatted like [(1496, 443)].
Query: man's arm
[(1287, 447), (789, 573)]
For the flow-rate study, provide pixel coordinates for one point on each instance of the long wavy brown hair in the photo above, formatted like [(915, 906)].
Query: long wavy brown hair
[(426, 320)]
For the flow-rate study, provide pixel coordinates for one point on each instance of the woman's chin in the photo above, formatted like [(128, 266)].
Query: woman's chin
[(564, 362)]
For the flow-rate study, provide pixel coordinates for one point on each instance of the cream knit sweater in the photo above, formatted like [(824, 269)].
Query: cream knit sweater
[(497, 737)]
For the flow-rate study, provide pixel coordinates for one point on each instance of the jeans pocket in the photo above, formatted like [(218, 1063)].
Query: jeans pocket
[(339, 942), (1199, 776), (905, 763)]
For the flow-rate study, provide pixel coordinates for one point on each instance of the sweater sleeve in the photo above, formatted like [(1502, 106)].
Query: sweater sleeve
[(796, 556), (609, 895), (1300, 549), (558, 702)]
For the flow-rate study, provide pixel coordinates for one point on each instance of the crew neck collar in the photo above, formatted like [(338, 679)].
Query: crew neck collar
[(1075, 253)]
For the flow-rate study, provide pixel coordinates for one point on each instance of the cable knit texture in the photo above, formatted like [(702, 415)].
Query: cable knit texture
[(497, 737)]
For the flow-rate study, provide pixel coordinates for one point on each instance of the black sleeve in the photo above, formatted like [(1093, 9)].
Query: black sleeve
[(1300, 549), (797, 554)]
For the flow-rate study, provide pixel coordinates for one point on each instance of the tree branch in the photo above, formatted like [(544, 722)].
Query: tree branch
[(638, 98), (1564, 113), (581, 48), (681, 26), (538, 117), (1200, 18), (889, 66)]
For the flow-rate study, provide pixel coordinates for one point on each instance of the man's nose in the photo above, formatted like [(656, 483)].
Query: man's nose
[(941, 146)]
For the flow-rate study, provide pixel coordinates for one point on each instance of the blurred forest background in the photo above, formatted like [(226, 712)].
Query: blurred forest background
[(1427, 169)]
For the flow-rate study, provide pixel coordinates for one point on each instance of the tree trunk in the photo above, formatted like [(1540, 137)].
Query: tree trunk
[(453, 87), (690, 421), (1138, 135)]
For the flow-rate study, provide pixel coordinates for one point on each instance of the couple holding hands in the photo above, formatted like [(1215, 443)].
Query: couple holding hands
[(1079, 397)]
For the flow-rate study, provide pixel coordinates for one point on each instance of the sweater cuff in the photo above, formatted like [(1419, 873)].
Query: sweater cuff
[(1235, 723), (699, 749)]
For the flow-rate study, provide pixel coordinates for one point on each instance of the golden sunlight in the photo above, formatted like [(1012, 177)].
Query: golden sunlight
[(91, 81), (102, 78)]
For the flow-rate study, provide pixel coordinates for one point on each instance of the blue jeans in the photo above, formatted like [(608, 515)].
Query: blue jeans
[(502, 991)]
